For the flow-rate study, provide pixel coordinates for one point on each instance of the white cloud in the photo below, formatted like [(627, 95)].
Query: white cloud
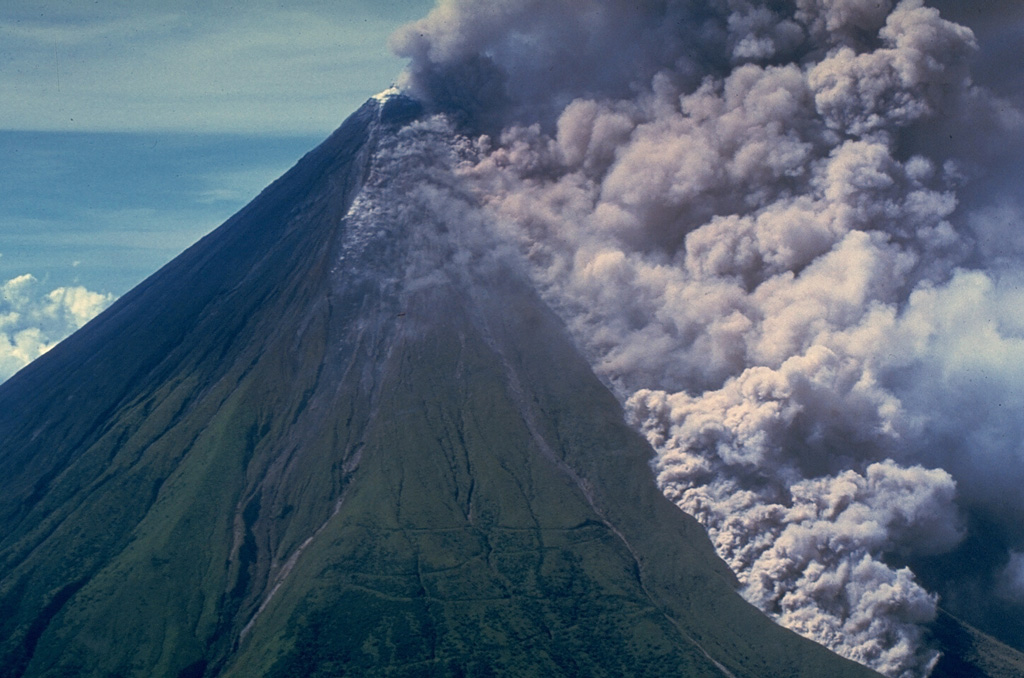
[(32, 320)]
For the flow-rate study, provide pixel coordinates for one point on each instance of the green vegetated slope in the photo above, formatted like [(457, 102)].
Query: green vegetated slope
[(969, 653), (125, 455), (495, 529), (266, 462)]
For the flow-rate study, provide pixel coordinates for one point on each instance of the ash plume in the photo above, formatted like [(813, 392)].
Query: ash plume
[(788, 234)]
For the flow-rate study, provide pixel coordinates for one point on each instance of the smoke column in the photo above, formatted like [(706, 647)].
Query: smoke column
[(788, 234)]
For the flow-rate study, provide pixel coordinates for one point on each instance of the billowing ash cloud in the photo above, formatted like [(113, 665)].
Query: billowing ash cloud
[(788, 233), (32, 321)]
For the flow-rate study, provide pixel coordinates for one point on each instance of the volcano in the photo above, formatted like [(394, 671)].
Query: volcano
[(343, 435)]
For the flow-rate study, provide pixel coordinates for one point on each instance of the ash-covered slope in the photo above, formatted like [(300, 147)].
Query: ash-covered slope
[(342, 436)]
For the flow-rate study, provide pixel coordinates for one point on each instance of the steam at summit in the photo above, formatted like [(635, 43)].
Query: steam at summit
[(788, 233)]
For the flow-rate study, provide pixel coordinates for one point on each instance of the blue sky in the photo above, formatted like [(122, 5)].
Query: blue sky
[(129, 129), (180, 65)]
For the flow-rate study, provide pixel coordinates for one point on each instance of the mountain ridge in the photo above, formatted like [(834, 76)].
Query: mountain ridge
[(151, 342)]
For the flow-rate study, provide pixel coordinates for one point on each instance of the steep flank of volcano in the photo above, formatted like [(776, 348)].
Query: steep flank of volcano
[(342, 436)]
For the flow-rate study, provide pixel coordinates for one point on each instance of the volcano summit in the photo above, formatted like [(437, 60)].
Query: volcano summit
[(342, 436), (398, 415)]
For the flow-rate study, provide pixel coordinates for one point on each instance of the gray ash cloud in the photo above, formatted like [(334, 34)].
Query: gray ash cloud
[(789, 234)]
